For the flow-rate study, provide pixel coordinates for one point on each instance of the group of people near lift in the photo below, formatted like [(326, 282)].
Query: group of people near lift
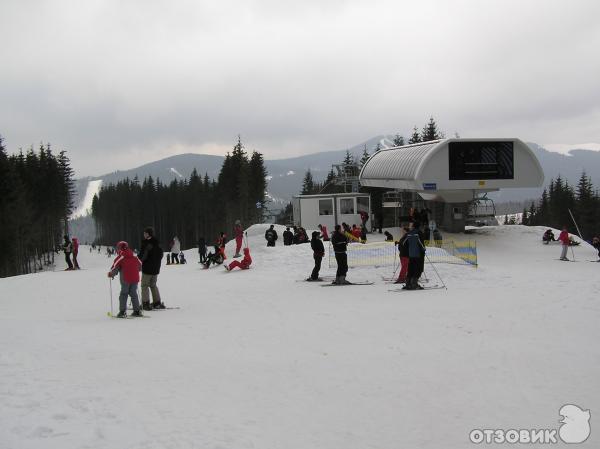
[(567, 241)]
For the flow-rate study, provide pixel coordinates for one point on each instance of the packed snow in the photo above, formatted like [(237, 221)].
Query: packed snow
[(255, 359)]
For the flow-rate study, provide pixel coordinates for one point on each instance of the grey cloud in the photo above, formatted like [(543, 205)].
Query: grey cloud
[(120, 78)]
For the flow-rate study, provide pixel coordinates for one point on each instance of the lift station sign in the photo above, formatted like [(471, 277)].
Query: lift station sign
[(429, 186)]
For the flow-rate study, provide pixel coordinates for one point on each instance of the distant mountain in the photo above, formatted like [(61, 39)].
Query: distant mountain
[(285, 175)]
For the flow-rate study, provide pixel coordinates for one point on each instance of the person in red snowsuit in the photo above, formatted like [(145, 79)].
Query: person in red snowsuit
[(239, 236), (565, 241), (128, 266), (244, 264), (404, 259)]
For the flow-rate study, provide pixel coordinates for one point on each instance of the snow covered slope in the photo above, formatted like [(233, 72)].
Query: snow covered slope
[(254, 359)]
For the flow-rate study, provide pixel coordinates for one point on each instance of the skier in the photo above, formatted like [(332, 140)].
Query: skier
[(182, 258), (340, 244), (151, 255), (565, 241), (175, 250), (202, 249), (416, 252), (403, 250), (75, 242), (288, 237), (356, 232), (239, 236), (68, 248), (215, 257), (127, 265), (548, 237), (318, 252), (271, 236), (244, 264), (324, 233)]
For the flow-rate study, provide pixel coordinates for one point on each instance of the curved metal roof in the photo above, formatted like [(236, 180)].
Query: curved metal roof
[(398, 163)]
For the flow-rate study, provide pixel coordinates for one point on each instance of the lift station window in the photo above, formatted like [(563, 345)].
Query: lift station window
[(480, 160)]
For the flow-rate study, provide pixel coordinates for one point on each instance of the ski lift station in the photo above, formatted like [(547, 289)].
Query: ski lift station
[(330, 209), (451, 177)]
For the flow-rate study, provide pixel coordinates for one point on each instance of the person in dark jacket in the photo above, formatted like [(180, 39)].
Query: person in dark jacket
[(271, 236), (68, 248), (151, 256), (416, 252), (548, 237), (202, 249), (288, 237), (596, 244), (318, 252), (388, 237), (340, 245), (127, 265)]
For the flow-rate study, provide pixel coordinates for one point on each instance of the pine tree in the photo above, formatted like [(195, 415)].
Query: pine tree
[(365, 156), (430, 131), (415, 137), (308, 186), (398, 140)]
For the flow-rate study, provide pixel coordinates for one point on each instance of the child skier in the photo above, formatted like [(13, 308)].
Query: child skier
[(565, 241), (318, 252), (128, 266), (244, 264)]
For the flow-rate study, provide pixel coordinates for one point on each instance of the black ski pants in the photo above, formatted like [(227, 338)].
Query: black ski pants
[(315, 272), (342, 264)]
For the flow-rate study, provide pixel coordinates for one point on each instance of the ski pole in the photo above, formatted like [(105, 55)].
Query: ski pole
[(436, 271), (572, 252), (111, 296), (573, 218)]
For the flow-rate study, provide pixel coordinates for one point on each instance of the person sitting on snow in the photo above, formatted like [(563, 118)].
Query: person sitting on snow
[(214, 258), (548, 237), (244, 264), (182, 258)]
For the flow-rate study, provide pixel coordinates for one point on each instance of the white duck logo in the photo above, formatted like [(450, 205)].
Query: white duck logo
[(575, 424)]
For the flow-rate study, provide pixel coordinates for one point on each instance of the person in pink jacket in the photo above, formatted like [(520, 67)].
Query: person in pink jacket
[(239, 236), (565, 242), (128, 266)]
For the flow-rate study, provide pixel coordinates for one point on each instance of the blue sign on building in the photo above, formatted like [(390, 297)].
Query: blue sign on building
[(429, 186)]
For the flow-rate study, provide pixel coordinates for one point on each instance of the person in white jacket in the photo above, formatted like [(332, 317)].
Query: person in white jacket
[(175, 250)]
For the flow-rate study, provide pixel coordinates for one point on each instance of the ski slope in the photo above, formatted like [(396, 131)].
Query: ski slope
[(254, 359)]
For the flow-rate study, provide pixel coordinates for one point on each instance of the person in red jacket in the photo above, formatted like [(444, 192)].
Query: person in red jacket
[(565, 241), (128, 266), (75, 242), (244, 264), (239, 236)]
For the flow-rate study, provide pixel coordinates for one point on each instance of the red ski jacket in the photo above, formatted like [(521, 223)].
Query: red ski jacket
[(128, 265), (564, 237)]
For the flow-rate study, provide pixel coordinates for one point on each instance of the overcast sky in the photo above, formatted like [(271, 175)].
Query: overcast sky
[(121, 83)]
